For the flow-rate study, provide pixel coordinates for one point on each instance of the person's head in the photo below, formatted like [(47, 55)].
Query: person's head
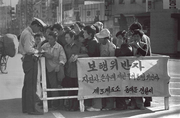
[(52, 37), (121, 37), (81, 25), (89, 32), (58, 28), (37, 25), (103, 36), (137, 35), (37, 38), (81, 37), (48, 29), (99, 25), (134, 26), (97, 28), (67, 29), (72, 27), (69, 36)]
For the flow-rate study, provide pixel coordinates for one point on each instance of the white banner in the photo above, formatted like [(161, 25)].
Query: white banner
[(126, 76)]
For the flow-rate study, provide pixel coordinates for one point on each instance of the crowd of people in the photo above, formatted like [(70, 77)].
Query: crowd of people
[(62, 46)]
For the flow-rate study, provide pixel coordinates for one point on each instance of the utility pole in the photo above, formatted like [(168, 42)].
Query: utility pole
[(146, 5), (10, 27), (59, 14), (26, 13)]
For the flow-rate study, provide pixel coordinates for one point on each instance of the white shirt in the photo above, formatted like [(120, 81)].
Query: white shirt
[(57, 56), (107, 50), (27, 42)]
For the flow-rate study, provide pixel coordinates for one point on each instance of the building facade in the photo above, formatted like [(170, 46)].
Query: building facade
[(40, 10), (122, 13), (91, 13), (24, 13), (5, 19), (165, 28)]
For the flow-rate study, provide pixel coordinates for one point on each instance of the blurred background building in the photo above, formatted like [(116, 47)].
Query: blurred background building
[(160, 18)]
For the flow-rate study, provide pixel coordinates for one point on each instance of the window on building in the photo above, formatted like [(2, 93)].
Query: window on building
[(98, 13), (88, 13), (143, 1), (109, 2), (133, 1), (121, 2)]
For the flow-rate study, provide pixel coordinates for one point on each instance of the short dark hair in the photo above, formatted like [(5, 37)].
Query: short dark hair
[(57, 26), (53, 34), (37, 35), (48, 27), (139, 32), (71, 33), (81, 34), (72, 26), (90, 30), (67, 28), (97, 28), (122, 33), (81, 25), (135, 25)]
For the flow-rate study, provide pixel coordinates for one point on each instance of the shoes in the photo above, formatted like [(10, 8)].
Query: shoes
[(73, 109), (131, 107), (121, 108), (35, 113), (147, 104), (24, 111), (142, 108), (107, 109), (93, 109), (53, 108)]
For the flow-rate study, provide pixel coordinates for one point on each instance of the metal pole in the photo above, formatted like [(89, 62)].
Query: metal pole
[(26, 13), (60, 11), (147, 5), (10, 30)]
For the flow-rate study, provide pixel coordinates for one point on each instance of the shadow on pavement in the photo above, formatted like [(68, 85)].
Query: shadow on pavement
[(106, 114), (10, 107)]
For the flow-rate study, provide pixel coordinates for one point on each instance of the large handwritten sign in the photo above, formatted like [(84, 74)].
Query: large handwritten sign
[(125, 76)]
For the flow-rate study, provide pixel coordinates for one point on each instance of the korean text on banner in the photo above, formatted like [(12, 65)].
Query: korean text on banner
[(123, 77)]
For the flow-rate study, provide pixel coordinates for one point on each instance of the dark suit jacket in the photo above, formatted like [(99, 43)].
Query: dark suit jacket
[(125, 50)]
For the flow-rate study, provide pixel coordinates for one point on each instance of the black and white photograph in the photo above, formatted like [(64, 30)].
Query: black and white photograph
[(89, 58)]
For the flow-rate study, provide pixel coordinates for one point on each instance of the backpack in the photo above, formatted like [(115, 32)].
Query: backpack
[(10, 45)]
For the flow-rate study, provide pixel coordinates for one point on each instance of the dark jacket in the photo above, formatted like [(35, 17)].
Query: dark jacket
[(125, 50), (144, 51), (93, 48), (61, 40)]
